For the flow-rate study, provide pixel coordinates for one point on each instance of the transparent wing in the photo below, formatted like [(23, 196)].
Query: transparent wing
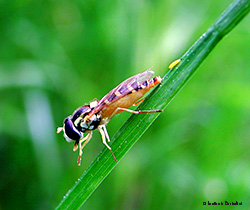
[(145, 75)]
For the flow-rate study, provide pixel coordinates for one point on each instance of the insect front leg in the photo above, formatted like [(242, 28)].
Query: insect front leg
[(85, 140), (103, 134)]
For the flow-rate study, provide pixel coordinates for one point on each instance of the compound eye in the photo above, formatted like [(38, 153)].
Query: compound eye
[(70, 130)]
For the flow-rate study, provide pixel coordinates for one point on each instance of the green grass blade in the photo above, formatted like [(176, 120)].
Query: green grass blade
[(136, 125)]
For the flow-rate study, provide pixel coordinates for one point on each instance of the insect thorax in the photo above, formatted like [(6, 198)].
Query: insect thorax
[(91, 124), (81, 123)]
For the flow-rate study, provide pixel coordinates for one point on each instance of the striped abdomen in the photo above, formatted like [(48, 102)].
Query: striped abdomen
[(147, 84), (127, 94), (131, 88)]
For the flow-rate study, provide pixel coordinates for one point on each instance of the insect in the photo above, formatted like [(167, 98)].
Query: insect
[(98, 113)]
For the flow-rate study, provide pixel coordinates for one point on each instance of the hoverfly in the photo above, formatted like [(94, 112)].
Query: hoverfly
[(98, 113)]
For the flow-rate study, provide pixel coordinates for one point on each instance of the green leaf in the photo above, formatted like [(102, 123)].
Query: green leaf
[(159, 98)]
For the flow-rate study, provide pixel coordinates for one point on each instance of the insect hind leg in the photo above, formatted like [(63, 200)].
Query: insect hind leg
[(138, 112), (103, 134)]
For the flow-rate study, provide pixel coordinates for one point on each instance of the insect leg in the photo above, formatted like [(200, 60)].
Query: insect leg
[(86, 139), (135, 104), (76, 143), (104, 141), (138, 112), (106, 132)]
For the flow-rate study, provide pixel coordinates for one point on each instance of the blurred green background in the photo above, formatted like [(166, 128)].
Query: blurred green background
[(58, 55)]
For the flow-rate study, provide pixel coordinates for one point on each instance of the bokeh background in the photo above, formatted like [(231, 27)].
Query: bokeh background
[(58, 55)]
